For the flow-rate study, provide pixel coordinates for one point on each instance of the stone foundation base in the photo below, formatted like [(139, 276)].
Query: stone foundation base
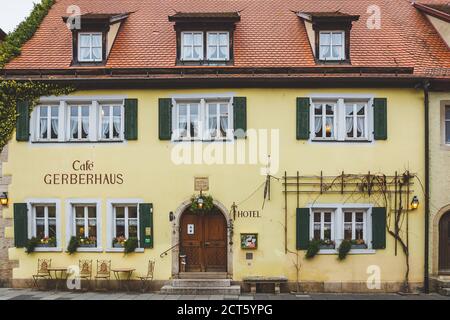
[(304, 287)]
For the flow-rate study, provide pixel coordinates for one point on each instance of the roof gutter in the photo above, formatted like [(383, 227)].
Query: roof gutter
[(432, 12)]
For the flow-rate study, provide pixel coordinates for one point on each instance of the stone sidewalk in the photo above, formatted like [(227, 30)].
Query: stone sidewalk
[(28, 294)]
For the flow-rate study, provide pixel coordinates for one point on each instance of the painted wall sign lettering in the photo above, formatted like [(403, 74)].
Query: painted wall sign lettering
[(82, 175), (248, 214)]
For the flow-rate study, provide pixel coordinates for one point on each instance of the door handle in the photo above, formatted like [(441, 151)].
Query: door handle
[(207, 243)]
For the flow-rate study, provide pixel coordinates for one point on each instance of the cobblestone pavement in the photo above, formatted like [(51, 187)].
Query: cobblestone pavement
[(28, 294)]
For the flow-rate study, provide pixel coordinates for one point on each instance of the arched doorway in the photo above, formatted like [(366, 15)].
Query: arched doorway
[(444, 244), (203, 241)]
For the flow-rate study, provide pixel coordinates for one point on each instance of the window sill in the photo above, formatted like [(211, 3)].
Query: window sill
[(341, 141), (203, 141), (48, 249), (352, 251), (138, 250), (77, 141), (89, 249)]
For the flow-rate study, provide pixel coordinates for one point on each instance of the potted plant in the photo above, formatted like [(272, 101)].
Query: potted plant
[(73, 245), (119, 242), (313, 249), (31, 245), (359, 244), (88, 242), (327, 244), (47, 242), (131, 245), (344, 249)]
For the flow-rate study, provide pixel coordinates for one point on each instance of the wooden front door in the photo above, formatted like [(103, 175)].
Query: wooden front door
[(444, 244), (204, 241)]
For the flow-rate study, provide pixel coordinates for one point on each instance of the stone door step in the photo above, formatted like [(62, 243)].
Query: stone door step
[(231, 290)]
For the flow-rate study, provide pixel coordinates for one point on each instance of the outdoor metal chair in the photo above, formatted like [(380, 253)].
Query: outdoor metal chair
[(42, 271), (85, 270), (103, 271), (145, 280)]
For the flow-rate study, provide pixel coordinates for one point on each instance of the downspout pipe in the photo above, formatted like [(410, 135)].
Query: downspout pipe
[(426, 276)]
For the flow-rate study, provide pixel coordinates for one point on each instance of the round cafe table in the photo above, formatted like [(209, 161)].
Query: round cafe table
[(127, 272), (60, 274)]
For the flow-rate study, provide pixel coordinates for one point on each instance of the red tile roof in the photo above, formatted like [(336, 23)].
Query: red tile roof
[(269, 34)]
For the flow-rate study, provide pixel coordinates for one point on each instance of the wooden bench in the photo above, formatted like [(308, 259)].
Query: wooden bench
[(276, 281)]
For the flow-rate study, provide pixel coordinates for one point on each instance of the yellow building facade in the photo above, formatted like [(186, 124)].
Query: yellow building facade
[(158, 172)]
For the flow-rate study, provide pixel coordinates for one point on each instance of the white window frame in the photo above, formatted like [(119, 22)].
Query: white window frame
[(80, 122), (94, 103), (111, 225), (340, 128), (188, 121), (354, 211), (365, 135), (111, 123), (322, 212), (204, 134), (338, 229), (324, 117), (218, 33), (90, 34), (192, 46), (31, 204), (331, 33), (70, 226), (49, 123)]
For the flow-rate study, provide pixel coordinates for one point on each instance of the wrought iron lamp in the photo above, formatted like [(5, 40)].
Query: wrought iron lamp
[(415, 203), (4, 199), (200, 200)]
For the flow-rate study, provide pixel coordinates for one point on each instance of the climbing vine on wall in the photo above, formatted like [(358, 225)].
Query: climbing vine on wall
[(10, 48), (12, 91)]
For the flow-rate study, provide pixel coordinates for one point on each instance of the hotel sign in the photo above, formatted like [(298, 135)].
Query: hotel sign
[(82, 174)]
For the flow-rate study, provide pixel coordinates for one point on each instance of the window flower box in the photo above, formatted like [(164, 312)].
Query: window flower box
[(87, 245), (327, 244), (46, 243), (358, 244)]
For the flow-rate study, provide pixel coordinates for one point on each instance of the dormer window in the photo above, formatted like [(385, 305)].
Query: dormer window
[(329, 35), (192, 46), (218, 45), (205, 38), (93, 42), (331, 44), (90, 47)]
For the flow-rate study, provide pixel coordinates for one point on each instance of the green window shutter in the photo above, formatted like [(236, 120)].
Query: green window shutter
[(302, 228), (240, 116), (380, 118), (146, 225), (23, 121), (378, 228), (20, 225), (302, 119), (165, 119), (131, 119)]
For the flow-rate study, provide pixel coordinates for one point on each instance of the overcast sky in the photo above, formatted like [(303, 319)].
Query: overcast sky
[(14, 12)]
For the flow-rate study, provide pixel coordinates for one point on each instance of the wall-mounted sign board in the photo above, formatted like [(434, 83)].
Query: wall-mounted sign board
[(201, 183)]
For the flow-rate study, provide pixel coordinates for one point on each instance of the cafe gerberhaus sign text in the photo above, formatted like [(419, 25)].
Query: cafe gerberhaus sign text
[(83, 175)]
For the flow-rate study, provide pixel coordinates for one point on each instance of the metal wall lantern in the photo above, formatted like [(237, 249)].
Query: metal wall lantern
[(414, 203), (4, 199)]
